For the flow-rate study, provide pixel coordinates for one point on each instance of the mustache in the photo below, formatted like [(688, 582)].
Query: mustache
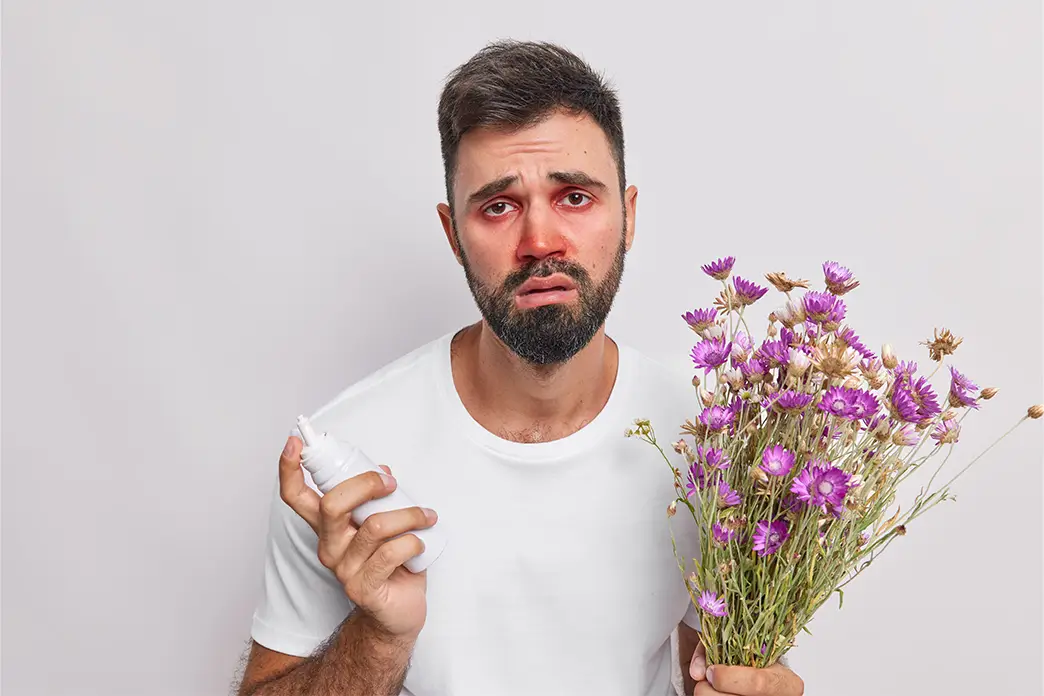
[(544, 268)]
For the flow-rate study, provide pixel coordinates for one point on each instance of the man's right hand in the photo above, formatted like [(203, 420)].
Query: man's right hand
[(366, 560)]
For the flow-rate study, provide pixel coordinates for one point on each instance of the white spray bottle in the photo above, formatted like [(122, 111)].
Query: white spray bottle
[(332, 461)]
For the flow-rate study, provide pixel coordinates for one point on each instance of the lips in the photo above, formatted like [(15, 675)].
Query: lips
[(558, 281)]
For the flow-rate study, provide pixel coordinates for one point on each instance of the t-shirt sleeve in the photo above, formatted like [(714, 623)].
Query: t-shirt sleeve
[(302, 603)]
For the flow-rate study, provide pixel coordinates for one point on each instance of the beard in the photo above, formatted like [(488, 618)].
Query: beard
[(549, 334)]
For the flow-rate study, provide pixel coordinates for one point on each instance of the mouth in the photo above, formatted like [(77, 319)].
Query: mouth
[(557, 283), (537, 292)]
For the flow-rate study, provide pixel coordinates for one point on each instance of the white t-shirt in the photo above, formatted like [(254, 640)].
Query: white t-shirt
[(558, 576)]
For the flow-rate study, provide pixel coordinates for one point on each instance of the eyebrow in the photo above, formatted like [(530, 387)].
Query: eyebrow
[(572, 178)]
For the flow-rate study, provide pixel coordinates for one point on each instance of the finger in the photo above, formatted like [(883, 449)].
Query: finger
[(751, 681), (698, 664), (381, 527), (705, 689), (391, 554), (292, 487), (336, 528), (386, 469)]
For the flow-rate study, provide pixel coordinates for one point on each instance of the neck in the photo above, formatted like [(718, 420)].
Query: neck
[(528, 403)]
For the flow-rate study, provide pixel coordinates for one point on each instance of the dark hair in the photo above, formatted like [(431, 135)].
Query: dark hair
[(516, 84)]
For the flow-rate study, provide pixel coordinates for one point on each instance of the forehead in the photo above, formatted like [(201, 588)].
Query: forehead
[(559, 142)]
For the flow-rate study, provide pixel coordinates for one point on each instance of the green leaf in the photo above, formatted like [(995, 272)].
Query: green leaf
[(841, 597), (805, 629)]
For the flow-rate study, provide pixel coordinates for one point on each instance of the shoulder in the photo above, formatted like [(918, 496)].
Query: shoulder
[(408, 379)]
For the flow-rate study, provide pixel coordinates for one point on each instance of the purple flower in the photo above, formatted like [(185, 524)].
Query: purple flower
[(711, 354), (720, 269), (904, 372), (790, 400), (865, 405), (768, 537), (775, 353), (697, 478), (754, 370), (710, 603), (723, 535), (747, 292), (822, 485), (777, 461), (903, 405), (717, 418), (700, 319), (924, 396), (823, 308), (853, 404), (947, 432), (852, 341), (837, 401), (713, 457), (960, 386), (726, 496), (906, 436), (838, 278)]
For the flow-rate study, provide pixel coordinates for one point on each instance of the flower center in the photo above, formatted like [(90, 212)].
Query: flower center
[(840, 405), (825, 487)]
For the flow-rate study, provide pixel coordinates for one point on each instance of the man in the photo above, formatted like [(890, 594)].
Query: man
[(559, 575)]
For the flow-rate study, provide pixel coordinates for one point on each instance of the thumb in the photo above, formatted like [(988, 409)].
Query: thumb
[(698, 665)]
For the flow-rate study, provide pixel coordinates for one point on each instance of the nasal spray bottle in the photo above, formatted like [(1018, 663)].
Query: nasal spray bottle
[(332, 461)]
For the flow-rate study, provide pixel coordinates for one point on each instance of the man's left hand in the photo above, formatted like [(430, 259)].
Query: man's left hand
[(729, 680)]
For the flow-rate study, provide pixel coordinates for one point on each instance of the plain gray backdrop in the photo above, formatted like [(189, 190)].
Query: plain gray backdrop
[(219, 214)]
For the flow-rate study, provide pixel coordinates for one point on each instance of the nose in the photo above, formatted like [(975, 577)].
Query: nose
[(541, 235)]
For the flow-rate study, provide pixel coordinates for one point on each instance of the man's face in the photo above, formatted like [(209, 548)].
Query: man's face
[(541, 232)]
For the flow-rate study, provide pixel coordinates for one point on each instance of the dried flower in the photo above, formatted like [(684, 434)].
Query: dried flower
[(726, 300), (700, 319), (706, 398), (726, 496), (713, 457), (777, 461), (960, 388), (790, 401), (792, 314), (710, 603), (836, 361), (716, 418), (747, 292), (720, 269), (781, 282), (734, 378), (947, 432), (799, 363), (838, 278), (711, 354), (741, 347), (821, 485), (723, 535), (769, 536), (823, 308), (906, 436), (943, 344)]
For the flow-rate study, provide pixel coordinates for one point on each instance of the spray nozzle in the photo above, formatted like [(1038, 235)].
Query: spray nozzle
[(307, 433)]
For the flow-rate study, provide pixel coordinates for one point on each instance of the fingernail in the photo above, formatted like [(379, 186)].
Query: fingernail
[(288, 449), (388, 480), (710, 675), (430, 514)]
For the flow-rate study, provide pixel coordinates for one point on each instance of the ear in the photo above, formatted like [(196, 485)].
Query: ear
[(631, 206), (447, 226)]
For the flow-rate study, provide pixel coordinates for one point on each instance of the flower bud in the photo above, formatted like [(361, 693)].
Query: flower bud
[(901, 530), (725, 568), (853, 382), (772, 331), (706, 398), (769, 389), (672, 508), (757, 475), (1035, 411), (695, 380), (888, 358), (988, 393)]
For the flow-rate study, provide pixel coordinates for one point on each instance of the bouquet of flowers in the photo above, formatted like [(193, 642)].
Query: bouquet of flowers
[(797, 455)]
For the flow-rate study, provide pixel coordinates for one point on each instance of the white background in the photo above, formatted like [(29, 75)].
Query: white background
[(218, 214)]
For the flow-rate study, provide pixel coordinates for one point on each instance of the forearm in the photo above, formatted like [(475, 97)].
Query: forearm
[(359, 659)]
